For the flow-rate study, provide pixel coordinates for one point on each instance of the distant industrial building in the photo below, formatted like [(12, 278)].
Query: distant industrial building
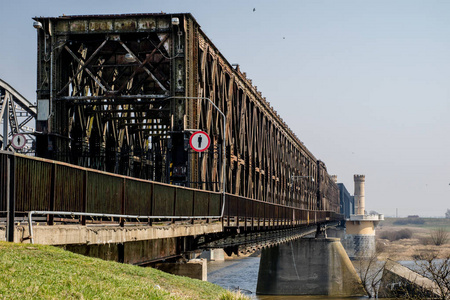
[(347, 201)]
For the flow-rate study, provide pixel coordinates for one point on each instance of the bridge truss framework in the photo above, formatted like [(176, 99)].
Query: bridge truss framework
[(108, 96), (17, 115)]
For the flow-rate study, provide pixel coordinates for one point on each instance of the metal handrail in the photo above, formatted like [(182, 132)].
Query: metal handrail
[(43, 212)]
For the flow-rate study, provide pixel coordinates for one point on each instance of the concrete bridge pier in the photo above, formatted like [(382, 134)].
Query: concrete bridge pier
[(194, 268), (308, 266), (213, 255)]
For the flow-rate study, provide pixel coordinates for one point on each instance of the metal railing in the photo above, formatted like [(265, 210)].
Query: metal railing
[(31, 185)]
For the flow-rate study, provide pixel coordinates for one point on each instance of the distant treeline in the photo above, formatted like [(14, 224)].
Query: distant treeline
[(406, 221)]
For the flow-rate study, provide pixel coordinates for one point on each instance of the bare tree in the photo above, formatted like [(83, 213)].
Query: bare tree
[(439, 236), (438, 270), (370, 269)]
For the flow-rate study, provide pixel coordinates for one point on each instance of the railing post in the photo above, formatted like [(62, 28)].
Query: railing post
[(10, 197)]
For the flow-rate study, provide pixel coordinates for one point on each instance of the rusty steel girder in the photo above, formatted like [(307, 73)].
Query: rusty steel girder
[(125, 92)]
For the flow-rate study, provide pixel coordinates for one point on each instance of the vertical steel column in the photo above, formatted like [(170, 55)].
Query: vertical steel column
[(177, 155), (5, 122), (43, 91), (10, 197)]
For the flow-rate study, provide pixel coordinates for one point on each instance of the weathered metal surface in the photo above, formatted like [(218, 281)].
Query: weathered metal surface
[(163, 200), (184, 203), (138, 198), (104, 193), (69, 188), (258, 210), (33, 181), (201, 203), (215, 204), (231, 206)]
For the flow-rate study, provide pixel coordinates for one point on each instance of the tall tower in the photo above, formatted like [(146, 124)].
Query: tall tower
[(360, 194), (359, 240)]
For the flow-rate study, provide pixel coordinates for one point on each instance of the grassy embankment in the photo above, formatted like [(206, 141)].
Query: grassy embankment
[(45, 272)]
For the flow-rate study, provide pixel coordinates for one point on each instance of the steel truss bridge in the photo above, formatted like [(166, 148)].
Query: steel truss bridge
[(17, 113), (122, 94)]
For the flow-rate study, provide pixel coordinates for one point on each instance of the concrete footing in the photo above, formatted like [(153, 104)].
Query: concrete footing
[(213, 255), (399, 282), (308, 266), (195, 268)]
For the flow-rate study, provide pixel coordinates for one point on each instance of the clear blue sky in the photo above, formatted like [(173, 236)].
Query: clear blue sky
[(364, 84)]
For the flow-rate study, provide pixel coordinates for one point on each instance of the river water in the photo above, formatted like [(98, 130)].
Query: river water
[(242, 274)]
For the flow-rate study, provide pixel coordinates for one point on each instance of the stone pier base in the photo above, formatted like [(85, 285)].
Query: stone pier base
[(359, 246), (195, 268), (308, 266)]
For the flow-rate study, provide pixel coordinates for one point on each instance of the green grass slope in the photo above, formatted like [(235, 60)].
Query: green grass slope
[(45, 272)]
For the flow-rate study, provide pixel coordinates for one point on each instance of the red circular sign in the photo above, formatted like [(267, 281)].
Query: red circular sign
[(18, 141), (199, 141)]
